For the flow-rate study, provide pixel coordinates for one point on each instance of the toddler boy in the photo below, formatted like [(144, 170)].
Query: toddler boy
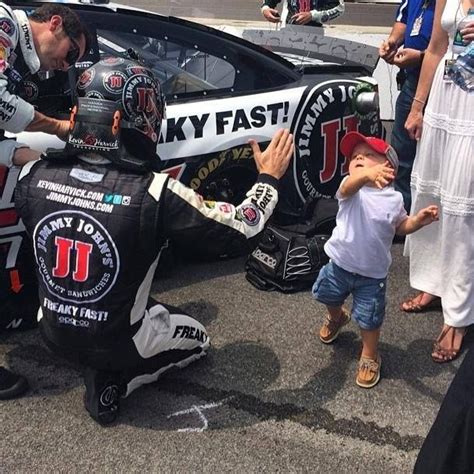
[(370, 213)]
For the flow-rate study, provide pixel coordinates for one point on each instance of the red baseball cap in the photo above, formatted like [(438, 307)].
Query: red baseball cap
[(352, 139)]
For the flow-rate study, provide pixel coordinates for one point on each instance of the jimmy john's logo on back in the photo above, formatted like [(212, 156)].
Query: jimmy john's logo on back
[(76, 256)]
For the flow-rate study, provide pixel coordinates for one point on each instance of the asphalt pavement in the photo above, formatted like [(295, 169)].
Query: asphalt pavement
[(269, 396)]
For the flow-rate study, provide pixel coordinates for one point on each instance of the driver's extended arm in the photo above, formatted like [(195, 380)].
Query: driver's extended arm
[(17, 115), (43, 123)]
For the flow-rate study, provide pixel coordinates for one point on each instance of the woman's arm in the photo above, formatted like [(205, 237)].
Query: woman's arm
[(433, 55)]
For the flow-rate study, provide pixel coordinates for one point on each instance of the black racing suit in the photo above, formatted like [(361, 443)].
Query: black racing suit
[(18, 61), (97, 234), (321, 10)]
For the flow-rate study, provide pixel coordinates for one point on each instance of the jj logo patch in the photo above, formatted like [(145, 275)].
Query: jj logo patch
[(76, 256)]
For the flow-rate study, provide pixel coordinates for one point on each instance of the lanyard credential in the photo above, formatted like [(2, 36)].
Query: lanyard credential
[(415, 31)]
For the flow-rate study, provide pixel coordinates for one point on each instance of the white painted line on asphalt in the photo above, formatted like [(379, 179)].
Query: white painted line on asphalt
[(198, 409)]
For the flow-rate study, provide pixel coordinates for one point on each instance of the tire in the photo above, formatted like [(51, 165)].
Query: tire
[(226, 176)]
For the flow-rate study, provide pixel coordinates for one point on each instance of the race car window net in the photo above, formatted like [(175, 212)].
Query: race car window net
[(190, 60), (181, 69)]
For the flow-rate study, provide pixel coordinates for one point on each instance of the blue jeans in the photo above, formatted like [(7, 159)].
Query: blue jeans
[(334, 285), (401, 142)]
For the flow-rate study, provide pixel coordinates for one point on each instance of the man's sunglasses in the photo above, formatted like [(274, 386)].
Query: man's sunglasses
[(73, 53)]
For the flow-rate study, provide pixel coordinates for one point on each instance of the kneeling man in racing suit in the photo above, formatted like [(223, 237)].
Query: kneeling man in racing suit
[(98, 218)]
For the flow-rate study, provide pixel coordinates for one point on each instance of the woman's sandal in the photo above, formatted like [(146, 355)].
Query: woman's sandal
[(456, 336), (414, 305)]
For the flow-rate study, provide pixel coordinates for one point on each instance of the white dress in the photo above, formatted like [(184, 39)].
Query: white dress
[(442, 254)]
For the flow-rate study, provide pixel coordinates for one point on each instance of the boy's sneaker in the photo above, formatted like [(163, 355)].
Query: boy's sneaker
[(11, 385), (368, 374), (102, 397), (331, 328)]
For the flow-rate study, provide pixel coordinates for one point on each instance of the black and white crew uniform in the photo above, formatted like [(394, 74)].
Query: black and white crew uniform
[(18, 60), (322, 11), (97, 234)]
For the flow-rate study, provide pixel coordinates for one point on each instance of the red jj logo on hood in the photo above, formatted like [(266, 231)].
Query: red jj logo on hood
[(321, 121), (76, 256)]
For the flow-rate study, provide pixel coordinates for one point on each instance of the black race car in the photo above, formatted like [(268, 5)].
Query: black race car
[(222, 90)]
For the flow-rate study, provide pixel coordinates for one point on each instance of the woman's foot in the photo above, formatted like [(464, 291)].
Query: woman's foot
[(448, 345), (420, 302)]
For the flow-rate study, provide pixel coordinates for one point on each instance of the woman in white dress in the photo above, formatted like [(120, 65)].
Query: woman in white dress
[(442, 255)]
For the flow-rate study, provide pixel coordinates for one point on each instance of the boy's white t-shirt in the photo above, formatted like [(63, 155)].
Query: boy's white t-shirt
[(365, 227)]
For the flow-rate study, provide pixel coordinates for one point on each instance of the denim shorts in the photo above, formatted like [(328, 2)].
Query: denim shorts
[(335, 284)]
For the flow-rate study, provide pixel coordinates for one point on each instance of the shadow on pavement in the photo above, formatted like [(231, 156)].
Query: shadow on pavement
[(231, 388)]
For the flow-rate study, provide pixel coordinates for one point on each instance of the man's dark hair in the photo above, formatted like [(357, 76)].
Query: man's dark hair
[(71, 23)]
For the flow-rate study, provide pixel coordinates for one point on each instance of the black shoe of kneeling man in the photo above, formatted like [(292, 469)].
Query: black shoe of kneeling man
[(11, 385), (102, 397)]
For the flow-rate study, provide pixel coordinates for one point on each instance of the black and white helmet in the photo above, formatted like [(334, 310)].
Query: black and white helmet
[(129, 94)]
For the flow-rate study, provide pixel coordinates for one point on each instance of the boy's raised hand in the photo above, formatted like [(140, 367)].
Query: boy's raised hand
[(380, 175), (427, 215)]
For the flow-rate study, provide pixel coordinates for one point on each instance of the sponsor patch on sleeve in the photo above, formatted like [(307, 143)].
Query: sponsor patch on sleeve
[(7, 110), (263, 196), (7, 26), (210, 204), (226, 207), (5, 41), (249, 214)]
